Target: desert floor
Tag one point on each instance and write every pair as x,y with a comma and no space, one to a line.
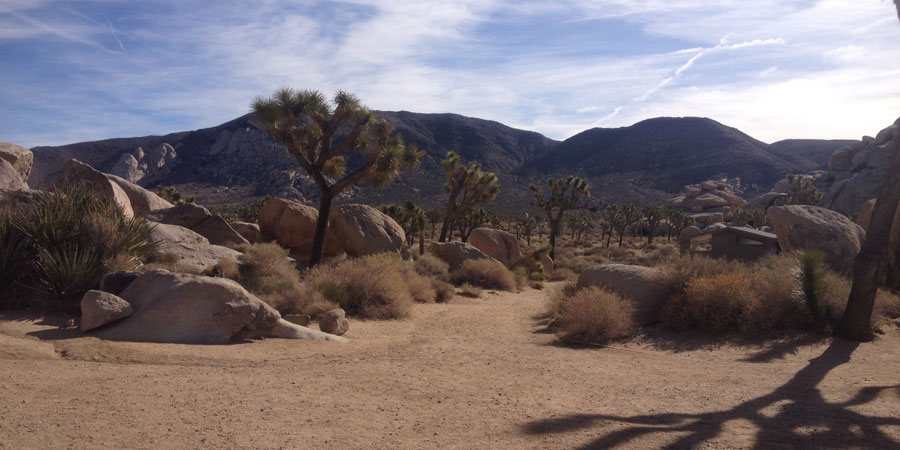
472,374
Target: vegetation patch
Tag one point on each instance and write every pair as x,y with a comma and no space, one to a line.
485,273
591,316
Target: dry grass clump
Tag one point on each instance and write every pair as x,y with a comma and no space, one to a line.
431,266
468,290
371,287
486,274
589,317
266,271
562,274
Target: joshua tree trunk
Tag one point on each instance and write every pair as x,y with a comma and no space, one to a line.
868,267
321,227
445,227
422,241
554,229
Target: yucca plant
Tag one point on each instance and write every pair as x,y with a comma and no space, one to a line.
16,255
63,274
810,276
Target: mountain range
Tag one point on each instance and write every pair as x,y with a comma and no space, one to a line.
229,164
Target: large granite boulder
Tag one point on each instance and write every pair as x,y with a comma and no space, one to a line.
10,178
194,252
198,219
763,201
645,288
498,244
250,231
363,230
143,202
20,158
78,174
292,225
99,308
12,198
455,253
804,227
190,309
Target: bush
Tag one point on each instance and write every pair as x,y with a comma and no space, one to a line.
716,303
371,287
60,246
562,274
431,266
485,273
468,290
592,316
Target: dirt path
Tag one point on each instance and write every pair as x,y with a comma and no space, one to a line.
475,373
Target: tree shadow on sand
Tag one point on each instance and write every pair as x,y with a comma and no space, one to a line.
804,420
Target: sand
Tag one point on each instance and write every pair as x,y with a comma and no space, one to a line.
471,374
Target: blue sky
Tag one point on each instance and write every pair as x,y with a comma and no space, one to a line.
85,70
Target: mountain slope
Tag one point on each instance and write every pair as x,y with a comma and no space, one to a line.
807,154
648,161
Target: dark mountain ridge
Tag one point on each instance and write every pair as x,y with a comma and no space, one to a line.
646,162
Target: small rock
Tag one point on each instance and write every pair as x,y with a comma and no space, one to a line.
99,308
334,322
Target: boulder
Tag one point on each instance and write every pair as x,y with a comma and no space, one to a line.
193,251
364,230
11,198
677,202
645,288
455,253
842,158
804,227
78,174
190,309
710,200
128,168
692,191
689,232
334,322
143,201
99,308
20,158
714,227
706,219
498,244
198,219
10,178
763,201
292,225
547,264
297,319
249,231
734,202
116,282
287,330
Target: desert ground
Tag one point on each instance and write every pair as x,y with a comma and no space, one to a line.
472,373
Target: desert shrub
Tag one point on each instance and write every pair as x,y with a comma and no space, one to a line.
59,246
172,195
431,266
484,273
250,211
562,274
469,290
444,291
371,287
591,316
539,285
716,303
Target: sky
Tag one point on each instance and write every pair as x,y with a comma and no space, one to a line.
74,71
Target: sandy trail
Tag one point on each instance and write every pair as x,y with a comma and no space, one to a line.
474,373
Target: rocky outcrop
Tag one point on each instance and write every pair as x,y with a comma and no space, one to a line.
20,158
645,288
803,227
116,282
249,231
363,230
145,166
334,322
710,197
12,198
77,174
199,220
190,309
455,253
99,308
193,252
856,172
498,244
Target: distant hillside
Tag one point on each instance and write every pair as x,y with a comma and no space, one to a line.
807,154
231,163
665,154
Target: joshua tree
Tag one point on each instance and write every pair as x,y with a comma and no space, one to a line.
434,216
678,220
411,218
627,216
563,194
653,215
308,125
469,221
803,191
871,262
467,187
525,226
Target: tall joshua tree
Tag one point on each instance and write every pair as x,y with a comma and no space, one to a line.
308,126
467,187
871,262
652,215
563,194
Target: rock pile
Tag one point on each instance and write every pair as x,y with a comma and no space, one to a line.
708,202
145,166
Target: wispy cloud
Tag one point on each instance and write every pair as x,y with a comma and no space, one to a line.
105,69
